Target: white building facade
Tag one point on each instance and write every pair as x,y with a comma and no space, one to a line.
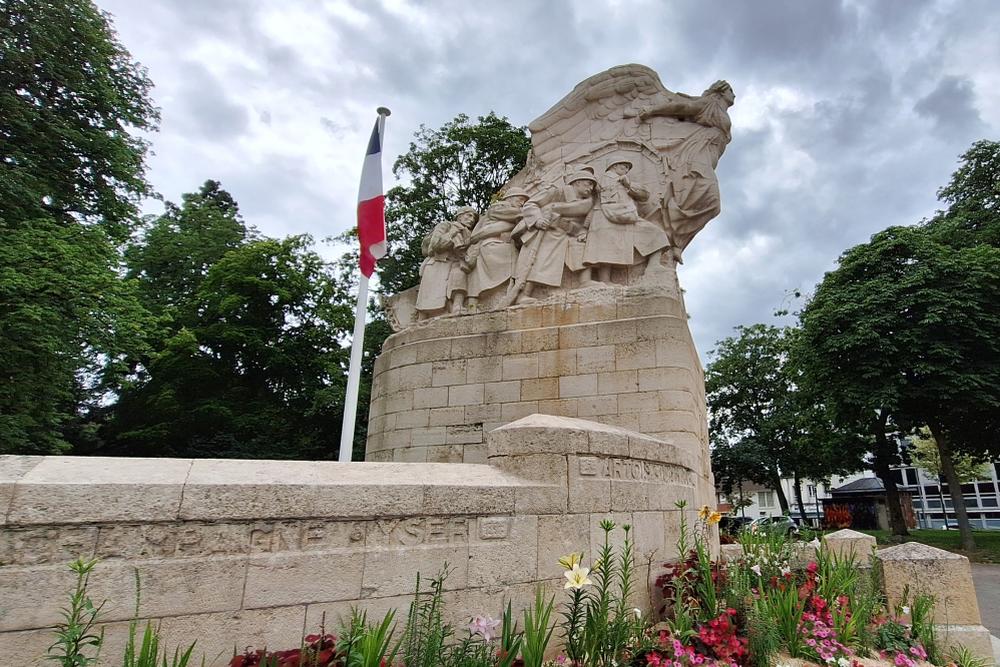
982,498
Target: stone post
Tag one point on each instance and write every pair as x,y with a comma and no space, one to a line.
848,543
926,570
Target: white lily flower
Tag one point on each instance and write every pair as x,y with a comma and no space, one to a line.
577,577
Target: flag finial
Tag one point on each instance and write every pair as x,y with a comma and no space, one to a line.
383,111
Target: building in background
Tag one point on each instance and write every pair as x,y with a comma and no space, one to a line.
862,505
982,498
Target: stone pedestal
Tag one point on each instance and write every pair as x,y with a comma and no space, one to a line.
924,570
849,543
616,355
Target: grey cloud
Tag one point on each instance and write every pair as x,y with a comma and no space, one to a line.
333,127
888,110
208,109
951,106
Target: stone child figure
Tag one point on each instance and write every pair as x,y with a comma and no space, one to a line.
617,231
489,260
692,197
442,278
548,231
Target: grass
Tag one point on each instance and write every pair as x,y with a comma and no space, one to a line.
987,542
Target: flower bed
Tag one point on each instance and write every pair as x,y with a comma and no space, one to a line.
759,610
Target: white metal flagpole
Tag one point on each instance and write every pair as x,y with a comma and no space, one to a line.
354,374
358,341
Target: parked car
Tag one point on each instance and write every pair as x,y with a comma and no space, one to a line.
734,524
781,524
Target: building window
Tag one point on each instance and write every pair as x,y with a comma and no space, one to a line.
765,498
811,490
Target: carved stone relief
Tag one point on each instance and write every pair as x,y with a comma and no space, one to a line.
620,179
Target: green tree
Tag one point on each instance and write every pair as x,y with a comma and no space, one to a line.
174,251
459,164
257,371
906,328
973,198
71,98
925,455
71,172
764,424
67,325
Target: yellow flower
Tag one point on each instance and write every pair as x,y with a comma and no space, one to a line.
714,517
571,561
577,577
704,512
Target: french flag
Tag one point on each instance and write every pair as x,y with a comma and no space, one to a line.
371,202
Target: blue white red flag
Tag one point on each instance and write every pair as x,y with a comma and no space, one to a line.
371,205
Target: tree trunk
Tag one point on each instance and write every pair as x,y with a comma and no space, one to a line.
944,508
798,500
883,455
782,498
954,487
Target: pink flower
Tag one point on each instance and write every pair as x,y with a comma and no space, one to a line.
484,626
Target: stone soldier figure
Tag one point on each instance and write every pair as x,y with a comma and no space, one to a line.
548,232
490,258
617,231
441,275
693,196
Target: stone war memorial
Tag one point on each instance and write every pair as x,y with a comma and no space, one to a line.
541,379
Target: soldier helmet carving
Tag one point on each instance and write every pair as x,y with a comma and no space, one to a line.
468,209
580,176
619,161
516,192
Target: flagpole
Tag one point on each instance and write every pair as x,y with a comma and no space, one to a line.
354,374
357,349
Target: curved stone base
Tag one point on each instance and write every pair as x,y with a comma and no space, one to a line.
616,355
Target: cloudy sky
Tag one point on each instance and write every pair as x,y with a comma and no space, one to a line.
849,115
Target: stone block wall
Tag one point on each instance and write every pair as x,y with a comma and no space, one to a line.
258,553
621,356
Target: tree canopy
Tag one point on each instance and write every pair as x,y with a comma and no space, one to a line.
71,172
245,359
926,456
765,425
71,98
908,325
